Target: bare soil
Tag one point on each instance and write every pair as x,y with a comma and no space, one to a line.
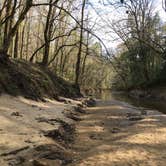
58,133
36,133
117,134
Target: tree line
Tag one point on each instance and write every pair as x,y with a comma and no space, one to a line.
60,35
52,33
140,57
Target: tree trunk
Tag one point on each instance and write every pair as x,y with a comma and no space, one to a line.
9,36
16,45
77,70
47,34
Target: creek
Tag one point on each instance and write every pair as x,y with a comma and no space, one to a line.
107,95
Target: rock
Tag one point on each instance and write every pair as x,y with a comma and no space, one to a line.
130,114
34,106
73,117
79,109
15,151
115,130
95,137
102,123
39,163
56,133
135,118
89,102
61,100
51,121
143,112
28,141
54,153
16,114
17,161
65,133
67,102
46,163
81,105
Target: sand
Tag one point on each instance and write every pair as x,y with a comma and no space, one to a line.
23,124
118,134
112,133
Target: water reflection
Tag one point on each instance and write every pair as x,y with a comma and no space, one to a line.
107,95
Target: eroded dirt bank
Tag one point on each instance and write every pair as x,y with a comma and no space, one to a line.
37,133
117,134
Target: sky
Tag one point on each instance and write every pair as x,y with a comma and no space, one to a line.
161,11
112,14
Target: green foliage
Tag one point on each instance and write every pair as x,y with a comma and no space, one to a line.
141,62
139,69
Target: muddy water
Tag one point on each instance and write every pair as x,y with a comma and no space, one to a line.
107,95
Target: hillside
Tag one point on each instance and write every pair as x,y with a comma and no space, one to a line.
18,77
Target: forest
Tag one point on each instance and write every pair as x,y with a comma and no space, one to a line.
63,36
82,82
53,34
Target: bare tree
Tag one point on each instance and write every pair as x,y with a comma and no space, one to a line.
10,32
77,70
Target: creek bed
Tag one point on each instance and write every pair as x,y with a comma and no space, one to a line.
107,95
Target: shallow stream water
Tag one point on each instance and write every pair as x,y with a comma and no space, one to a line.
107,95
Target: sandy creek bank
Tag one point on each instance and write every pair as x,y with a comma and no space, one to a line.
53,133
117,134
37,133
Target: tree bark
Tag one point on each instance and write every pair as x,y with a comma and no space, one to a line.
16,45
47,34
8,38
77,70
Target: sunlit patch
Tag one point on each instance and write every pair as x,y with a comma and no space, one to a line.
112,107
118,156
141,142
91,129
2,108
32,102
